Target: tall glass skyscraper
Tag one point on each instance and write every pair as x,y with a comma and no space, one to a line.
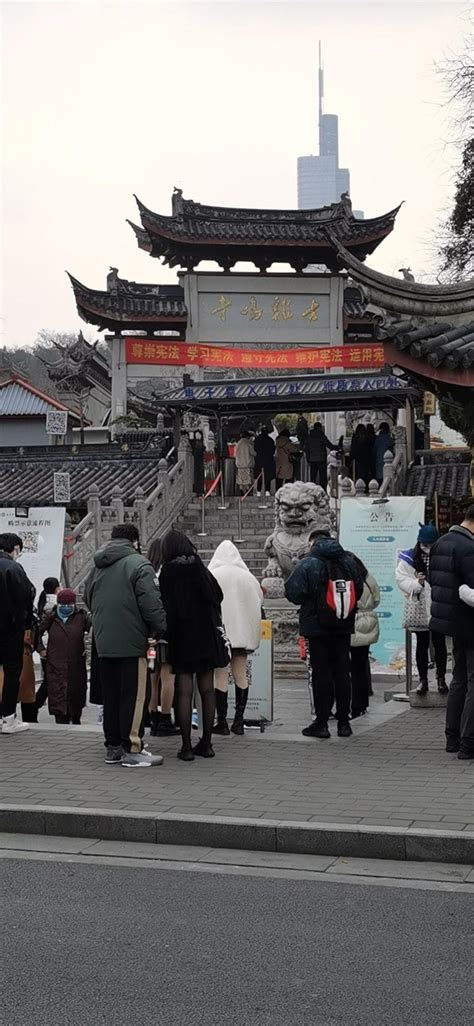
320,179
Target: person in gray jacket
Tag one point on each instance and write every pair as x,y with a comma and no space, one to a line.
123,595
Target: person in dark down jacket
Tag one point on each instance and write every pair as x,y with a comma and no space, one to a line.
452,580
66,627
123,595
16,613
264,460
317,446
329,650
196,637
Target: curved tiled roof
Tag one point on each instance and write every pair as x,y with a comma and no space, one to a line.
406,297
441,344
195,232
132,306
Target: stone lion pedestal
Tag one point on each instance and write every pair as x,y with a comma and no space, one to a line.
300,508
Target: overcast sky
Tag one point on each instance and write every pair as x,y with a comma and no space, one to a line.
102,100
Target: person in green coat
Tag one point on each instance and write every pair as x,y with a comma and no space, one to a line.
123,595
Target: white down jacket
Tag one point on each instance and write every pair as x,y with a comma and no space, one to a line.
366,622
405,576
243,597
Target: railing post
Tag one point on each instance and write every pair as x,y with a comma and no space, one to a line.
388,471
373,488
202,533
360,487
263,504
94,506
164,480
408,662
139,503
222,505
116,502
239,514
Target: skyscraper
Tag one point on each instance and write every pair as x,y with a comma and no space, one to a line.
320,179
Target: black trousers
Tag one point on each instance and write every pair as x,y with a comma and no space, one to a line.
423,649
11,658
319,473
124,687
361,678
331,673
460,710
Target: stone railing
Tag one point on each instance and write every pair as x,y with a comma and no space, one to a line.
153,515
394,473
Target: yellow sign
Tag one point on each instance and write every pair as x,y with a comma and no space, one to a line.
429,404
266,630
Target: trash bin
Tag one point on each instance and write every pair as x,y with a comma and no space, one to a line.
229,475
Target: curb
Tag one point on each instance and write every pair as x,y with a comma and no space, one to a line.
400,844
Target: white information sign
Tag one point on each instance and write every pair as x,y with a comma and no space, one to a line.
376,531
260,676
42,533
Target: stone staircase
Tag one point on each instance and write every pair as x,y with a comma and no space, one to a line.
223,525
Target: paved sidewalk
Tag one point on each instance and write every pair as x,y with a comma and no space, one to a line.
393,774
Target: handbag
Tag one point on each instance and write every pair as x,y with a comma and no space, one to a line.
415,612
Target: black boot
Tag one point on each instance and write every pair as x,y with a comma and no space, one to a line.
165,726
153,723
422,688
221,727
241,695
442,686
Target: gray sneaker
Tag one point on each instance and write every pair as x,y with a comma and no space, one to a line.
143,759
114,754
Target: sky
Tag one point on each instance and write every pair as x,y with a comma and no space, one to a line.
104,100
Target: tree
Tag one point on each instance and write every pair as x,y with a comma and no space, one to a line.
457,253
457,249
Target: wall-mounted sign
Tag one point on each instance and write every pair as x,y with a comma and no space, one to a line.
154,352
56,422
42,534
309,388
268,308
62,486
376,532
429,404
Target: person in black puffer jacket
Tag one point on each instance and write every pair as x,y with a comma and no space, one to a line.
329,649
451,567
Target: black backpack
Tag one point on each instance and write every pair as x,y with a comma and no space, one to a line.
336,600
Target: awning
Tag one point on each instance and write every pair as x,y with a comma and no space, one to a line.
286,394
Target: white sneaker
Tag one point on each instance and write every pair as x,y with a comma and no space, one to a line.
10,725
141,759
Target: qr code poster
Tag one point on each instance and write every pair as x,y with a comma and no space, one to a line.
62,486
56,422
30,540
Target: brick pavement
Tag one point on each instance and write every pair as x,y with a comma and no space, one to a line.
395,773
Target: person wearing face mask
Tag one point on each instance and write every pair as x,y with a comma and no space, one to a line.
16,613
412,577
66,627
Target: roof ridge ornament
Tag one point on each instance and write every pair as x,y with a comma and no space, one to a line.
177,202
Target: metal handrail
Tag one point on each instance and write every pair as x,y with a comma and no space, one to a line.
242,499
202,533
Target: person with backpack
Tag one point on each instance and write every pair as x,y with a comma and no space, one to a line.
326,585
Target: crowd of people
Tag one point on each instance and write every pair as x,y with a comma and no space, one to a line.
265,459
166,628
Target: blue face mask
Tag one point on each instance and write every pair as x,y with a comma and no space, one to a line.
64,612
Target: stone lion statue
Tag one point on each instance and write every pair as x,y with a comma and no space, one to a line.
299,508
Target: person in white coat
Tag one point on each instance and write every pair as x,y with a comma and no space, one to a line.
241,615
366,633
412,577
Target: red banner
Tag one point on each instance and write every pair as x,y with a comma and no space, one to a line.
152,351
